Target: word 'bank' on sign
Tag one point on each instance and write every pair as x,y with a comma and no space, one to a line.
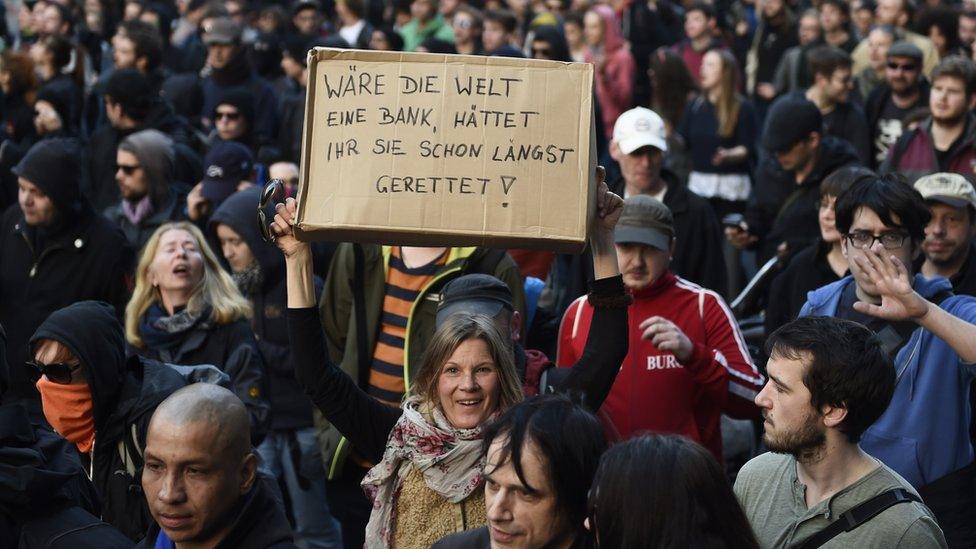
447,150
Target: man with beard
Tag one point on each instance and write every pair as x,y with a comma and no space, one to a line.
902,91
949,235
898,14
150,196
944,142
929,334
829,380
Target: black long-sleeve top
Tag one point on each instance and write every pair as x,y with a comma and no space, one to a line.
367,423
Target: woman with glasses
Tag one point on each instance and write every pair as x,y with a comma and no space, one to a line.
186,309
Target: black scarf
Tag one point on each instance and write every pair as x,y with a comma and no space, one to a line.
236,73
250,280
162,331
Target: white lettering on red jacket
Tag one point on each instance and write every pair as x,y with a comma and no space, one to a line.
654,391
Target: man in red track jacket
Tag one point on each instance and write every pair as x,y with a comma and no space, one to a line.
688,362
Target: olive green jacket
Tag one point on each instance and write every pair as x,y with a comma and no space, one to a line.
338,312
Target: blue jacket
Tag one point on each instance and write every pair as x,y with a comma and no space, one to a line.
924,433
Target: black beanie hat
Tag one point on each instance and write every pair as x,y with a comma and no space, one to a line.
54,166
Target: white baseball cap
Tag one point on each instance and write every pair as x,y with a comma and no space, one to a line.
639,127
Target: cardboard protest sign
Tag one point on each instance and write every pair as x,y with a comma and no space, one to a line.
427,149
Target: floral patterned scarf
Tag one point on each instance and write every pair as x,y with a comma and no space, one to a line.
449,458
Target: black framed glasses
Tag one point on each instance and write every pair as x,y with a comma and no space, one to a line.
58,372
272,191
891,240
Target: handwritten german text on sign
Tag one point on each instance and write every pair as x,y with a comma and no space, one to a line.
429,149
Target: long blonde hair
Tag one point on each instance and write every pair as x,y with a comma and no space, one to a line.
217,289
457,329
729,100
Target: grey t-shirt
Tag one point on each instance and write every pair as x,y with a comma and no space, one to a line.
774,502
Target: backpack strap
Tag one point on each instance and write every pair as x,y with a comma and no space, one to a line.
852,518
131,452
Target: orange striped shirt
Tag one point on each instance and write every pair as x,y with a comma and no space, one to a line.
403,285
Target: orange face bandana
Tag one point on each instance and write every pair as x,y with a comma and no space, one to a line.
68,408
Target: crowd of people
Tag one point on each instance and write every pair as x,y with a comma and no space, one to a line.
177,371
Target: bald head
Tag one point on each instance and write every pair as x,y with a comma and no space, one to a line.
198,463
212,406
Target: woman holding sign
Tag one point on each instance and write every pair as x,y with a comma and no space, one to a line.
428,451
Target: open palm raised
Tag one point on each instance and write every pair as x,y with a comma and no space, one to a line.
893,284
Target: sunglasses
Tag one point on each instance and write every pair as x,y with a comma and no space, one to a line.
273,190
128,169
227,115
904,67
59,372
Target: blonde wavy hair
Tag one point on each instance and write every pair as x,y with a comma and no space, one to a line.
456,330
217,289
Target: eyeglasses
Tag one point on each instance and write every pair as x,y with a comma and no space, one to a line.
59,372
129,169
907,67
891,240
227,115
463,23
273,190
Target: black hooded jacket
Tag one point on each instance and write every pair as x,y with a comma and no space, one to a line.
231,348
125,393
260,523
553,35
291,407
45,498
780,210
81,256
